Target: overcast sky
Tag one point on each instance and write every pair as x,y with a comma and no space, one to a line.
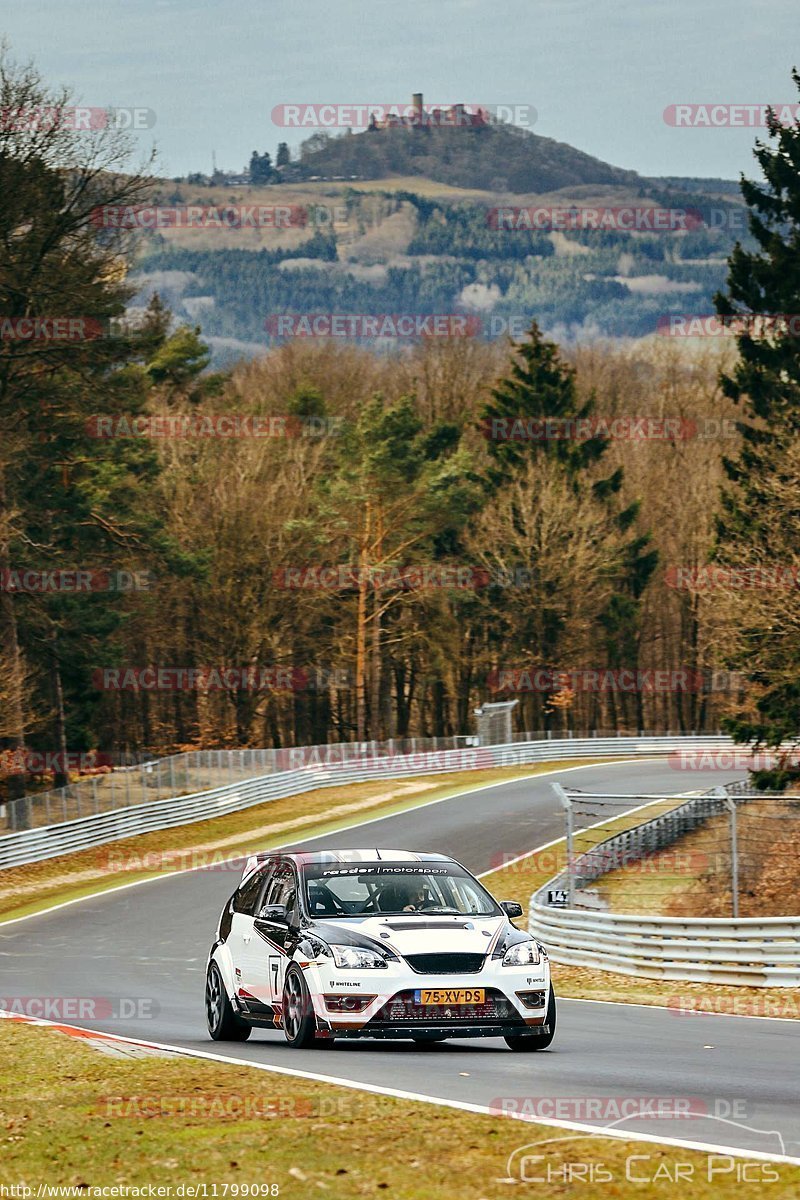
598,72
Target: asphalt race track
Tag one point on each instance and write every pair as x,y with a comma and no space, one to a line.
148,944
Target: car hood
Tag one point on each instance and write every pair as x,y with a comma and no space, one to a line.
418,934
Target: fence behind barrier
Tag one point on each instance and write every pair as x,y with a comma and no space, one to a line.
380,762
754,951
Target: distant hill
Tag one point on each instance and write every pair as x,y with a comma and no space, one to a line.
496,158
707,187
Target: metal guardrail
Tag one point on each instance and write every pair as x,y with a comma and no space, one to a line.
748,951
33,845
154,779
751,951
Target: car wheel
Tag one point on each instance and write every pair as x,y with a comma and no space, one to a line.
299,1022
538,1043
223,1023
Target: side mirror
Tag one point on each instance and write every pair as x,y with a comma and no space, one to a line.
511,908
275,912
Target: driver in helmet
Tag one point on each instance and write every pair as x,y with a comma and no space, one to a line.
407,895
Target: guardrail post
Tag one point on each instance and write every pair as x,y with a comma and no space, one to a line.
731,806
567,806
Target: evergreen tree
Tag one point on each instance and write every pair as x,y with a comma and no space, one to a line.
540,388
64,493
261,168
763,287
536,413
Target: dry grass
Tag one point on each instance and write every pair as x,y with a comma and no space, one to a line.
71,1116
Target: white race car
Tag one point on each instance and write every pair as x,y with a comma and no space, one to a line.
374,943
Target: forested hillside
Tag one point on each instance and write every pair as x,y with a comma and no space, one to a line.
402,252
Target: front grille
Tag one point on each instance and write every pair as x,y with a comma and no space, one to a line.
402,1009
445,964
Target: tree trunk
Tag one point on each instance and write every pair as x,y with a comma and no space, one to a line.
61,776
361,631
14,717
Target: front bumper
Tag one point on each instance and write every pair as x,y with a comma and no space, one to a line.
394,1012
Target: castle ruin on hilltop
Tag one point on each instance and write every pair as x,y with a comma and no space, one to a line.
415,116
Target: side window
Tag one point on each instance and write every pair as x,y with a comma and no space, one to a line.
246,899
283,888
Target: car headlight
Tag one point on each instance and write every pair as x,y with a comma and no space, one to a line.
356,957
523,954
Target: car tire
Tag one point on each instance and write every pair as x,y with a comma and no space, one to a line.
529,1043
299,1022
223,1023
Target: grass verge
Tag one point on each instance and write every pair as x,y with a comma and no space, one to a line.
71,1116
28,889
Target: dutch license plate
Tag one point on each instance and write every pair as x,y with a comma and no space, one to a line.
450,996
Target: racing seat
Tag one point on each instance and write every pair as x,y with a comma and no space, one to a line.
321,901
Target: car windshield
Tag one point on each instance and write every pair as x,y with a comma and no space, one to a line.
370,889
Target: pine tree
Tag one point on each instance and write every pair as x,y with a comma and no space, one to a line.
761,303
64,493
542,388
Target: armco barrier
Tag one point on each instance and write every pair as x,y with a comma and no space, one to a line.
33,845
749,951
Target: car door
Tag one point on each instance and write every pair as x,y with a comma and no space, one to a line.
282,890
244,944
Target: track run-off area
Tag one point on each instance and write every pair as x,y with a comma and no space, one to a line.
139,951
